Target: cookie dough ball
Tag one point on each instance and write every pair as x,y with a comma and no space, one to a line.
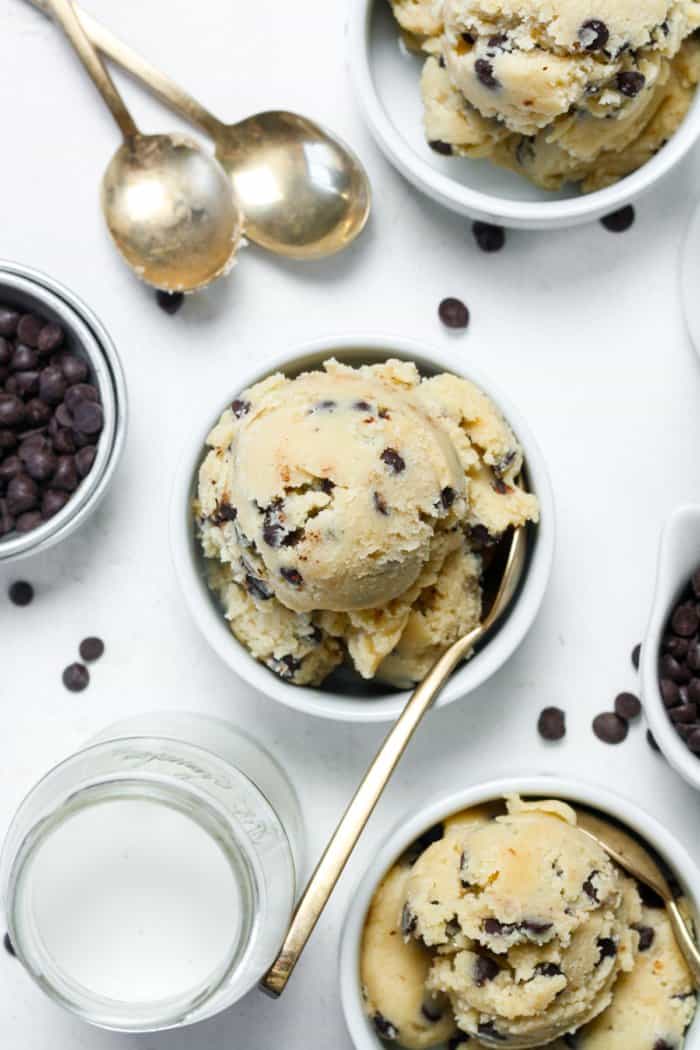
394,972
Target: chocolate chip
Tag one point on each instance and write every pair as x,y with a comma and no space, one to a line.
421,844
380,504
292,576
91,649
651,741
65,476
636,654
28,329
489,1029
84,459
325,406
630,83
485,969
457,1041
646,937
170,302
384,1027
452,928
8,440
447,497
670,692
88,417
75,369
672,668
693,741
432,1009
685,713
7,522
52,501
497,41
537,929
27,522
607,949
78,392
11,410
257,588
27,384
551,724
484,73
593,35
63,440
693,657
9,467
50,338
619,221
362,406
24,358
590,888
443,148
649,898
409,921
8,945
326,485
36,412
9,319
21,593
52,385
610,728
22,494
490,238
468,38
453,313
76,677
6,351
40,462
570,1041
393,460
627,706
548,969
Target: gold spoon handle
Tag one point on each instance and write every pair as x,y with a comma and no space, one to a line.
160,84
68,20
684,940
353,821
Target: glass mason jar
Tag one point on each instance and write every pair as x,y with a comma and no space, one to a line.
148,880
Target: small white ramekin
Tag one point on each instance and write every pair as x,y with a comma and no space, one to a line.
381,706
35,292
679,557
469,191
413,825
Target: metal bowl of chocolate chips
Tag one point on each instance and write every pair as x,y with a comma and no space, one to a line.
62,411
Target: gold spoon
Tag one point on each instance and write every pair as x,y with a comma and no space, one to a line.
345,836
167,203
303,193
628,854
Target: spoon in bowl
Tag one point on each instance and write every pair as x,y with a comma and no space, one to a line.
168,204
352,824
303,193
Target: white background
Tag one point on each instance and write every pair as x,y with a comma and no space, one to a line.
583,328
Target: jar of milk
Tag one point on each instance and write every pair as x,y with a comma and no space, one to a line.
149,879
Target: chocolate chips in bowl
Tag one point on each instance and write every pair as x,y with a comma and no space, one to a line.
62,411
679,665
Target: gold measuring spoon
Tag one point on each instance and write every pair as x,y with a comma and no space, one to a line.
167,203
630,855
351,826
303,193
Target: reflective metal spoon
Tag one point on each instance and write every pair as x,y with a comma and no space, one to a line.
167,203
303,193
352,824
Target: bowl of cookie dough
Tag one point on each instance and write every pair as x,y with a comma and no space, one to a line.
528,116
338,520
489,919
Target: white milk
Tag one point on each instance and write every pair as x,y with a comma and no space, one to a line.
134,901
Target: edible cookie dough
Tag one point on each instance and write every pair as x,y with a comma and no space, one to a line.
561,92
530,933
349,511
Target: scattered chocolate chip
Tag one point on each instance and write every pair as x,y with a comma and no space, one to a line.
21,593
607,949
170,302
385,1028
590,888
484,74
548,969
636,654
76,677
447,497
490,238
7,943
651,741
393,460
91,649
453,313
380,504
421,844
610,728
485,969
257,588
593,35
551,724
619,221
646,937
630,83
627,706
292,576
443,148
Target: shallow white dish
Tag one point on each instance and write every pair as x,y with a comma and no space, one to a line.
358,706
679,557
386,80
413,825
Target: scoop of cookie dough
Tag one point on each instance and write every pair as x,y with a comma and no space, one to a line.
532,922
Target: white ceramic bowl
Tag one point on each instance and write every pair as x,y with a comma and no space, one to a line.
359,705
408,830
679,557
386,82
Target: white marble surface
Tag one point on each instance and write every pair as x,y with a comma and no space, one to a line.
583,327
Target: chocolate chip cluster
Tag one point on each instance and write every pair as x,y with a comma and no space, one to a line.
679,665
50,421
